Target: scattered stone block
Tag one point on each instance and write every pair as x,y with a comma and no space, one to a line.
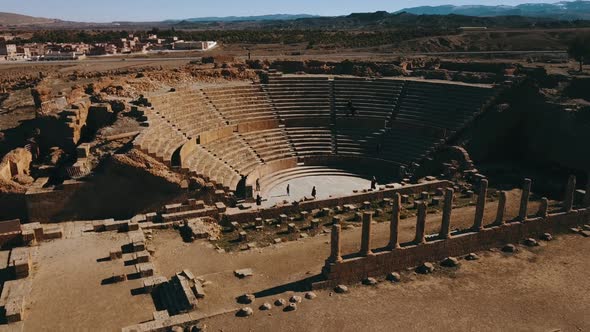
258,222
295,299
116,253
472,257
370,281
277,240
14,309
265,306
20,262
385,202
366,205
116,278
425,268
303,236
350,208
243,236
436,201
245,312
547,237
251,245
152,282
341,289
197,288
450,262
336,220
358,216
326,212
144,269
469,194
530,242
315,224
292,228
246,298
405,199
304,215
425,195
394,277
132,226
291,307
142,257
283,218
235,226
221,208
138,246
379,212
509,248
280,302
243,273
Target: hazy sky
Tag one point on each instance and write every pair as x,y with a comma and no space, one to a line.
153,10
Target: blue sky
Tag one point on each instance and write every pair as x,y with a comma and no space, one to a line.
154,10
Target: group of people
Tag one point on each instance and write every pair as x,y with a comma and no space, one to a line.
259,198
314,192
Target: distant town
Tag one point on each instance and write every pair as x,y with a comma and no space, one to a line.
10,51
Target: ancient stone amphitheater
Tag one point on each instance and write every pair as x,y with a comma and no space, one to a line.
294,126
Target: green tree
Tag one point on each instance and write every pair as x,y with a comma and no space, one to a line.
579,49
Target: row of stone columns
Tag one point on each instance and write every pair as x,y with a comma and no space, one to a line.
444,233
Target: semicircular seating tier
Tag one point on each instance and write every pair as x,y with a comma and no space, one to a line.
227,133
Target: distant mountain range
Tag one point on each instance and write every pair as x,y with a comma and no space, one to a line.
447,16
22,20
565,10
274,17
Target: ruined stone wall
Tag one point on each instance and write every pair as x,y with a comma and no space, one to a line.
117,190
249,216
369,261
355,268
17,162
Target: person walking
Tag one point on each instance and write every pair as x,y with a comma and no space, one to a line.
288,190
258,200
374,183
257,184
314,192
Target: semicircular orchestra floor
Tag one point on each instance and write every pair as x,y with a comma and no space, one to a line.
329,182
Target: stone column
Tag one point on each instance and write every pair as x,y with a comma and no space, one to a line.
447,210
366,236
421,224
335,255
524,200
394,226
543,208
568,200
501,209
481,205
587,195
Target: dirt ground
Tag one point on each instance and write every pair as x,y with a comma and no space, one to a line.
495,293
545,289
